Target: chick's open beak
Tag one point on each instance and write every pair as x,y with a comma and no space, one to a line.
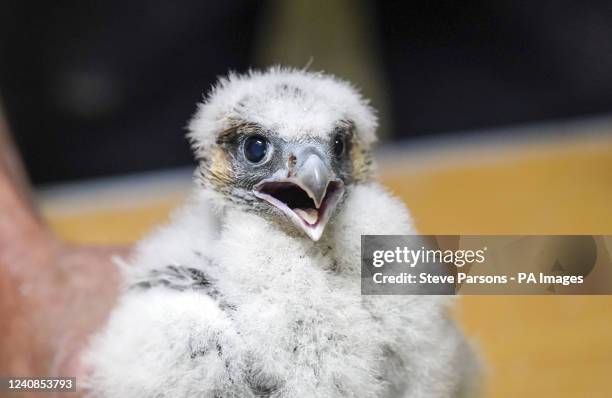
307,196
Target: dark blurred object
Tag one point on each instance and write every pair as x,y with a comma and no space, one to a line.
470,64
97,88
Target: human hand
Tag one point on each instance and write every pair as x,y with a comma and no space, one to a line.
53,297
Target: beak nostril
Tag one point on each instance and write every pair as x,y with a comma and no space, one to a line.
291,162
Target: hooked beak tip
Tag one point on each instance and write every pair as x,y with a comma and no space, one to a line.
294,200
308,196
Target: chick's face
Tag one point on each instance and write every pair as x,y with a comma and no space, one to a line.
300,180
286,153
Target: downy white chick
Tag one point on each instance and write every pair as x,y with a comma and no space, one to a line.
253,289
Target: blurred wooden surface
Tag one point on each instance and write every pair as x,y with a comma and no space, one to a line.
546,346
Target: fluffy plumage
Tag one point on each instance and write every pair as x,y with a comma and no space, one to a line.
290,102
230,300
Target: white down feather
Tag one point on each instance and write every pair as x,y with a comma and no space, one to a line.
286,318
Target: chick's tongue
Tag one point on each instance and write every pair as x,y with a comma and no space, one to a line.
308,215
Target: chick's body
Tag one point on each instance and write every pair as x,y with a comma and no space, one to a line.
224,302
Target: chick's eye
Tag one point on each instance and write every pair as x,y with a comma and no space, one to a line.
339,145
255,148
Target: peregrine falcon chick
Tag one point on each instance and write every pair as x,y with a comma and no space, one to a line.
253,288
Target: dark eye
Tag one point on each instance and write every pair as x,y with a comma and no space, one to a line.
255,148
339,145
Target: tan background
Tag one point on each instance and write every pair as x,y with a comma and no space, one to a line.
556,184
